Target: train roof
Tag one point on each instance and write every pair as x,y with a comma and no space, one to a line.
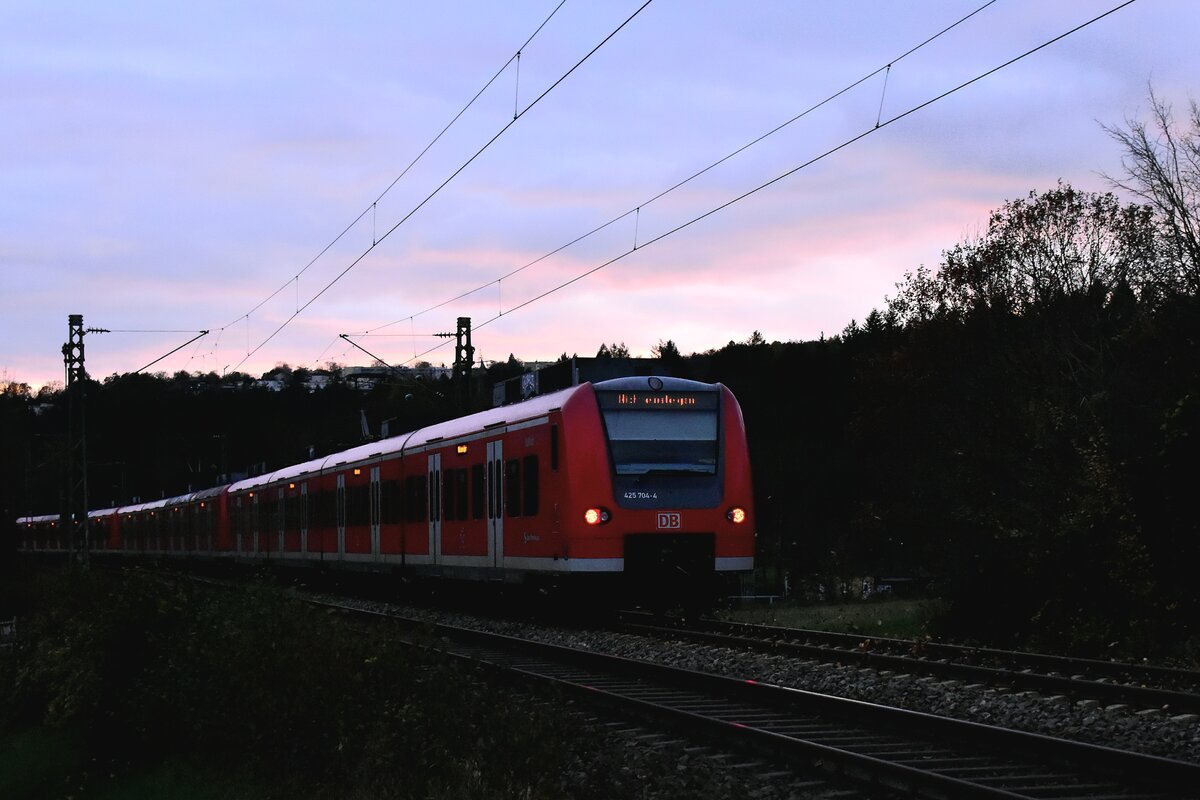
463,426
309,467
492,418
451,429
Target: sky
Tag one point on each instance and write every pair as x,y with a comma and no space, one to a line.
170,168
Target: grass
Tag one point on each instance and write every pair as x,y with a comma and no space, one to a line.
178,780
50,761
35,763
903,619
126,687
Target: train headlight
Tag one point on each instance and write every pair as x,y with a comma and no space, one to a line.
596,516
736,515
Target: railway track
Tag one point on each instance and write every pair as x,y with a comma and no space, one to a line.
1176,691
909,752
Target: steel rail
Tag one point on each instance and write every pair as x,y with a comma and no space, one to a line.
860,651
914,752
1025,659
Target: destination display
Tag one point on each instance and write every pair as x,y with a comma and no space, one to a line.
658,401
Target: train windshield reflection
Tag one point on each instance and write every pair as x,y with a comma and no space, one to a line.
645,442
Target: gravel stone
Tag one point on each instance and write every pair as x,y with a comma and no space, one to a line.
1115,725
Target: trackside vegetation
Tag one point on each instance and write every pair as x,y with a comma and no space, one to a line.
123,685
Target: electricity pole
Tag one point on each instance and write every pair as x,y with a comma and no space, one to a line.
75,517
464,360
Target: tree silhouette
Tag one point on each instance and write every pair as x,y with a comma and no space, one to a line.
1035,250
613,350
666,351
1162,166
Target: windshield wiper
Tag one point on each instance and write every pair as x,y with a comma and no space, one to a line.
666,469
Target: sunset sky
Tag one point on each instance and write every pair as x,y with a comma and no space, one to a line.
168,167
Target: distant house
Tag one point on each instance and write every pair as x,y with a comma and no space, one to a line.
365,378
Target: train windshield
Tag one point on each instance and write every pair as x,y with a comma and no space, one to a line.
661,432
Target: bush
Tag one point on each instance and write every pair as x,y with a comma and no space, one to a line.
270,689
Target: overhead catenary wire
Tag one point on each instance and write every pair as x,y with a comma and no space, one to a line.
176,350
636,211
445,182
879,126
199,335
405,171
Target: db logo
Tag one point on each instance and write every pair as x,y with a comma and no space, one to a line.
670,520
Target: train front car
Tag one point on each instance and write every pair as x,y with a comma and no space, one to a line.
660,487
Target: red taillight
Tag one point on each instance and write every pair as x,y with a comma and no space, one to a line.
596,516
736,515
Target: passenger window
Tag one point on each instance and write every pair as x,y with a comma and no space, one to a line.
414,504
389,502
512,487
460,493
449,496
358,505
478,491
530,499
328,510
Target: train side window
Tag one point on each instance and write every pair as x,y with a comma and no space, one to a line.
478,491
554,447
390,511
449,496
529,501
460,493
358,505
291,511
415,499
512,487
251,509
316,508
326,509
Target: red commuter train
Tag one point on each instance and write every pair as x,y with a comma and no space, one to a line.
645,480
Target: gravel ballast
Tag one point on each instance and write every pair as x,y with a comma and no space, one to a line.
1150,731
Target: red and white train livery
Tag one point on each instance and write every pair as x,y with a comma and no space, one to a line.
647,478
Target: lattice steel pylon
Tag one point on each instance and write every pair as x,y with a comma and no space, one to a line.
75,517
464,361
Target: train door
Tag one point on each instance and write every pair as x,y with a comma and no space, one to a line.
341,515
254,522
303,515
280,526
375,508
495,501
435,506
